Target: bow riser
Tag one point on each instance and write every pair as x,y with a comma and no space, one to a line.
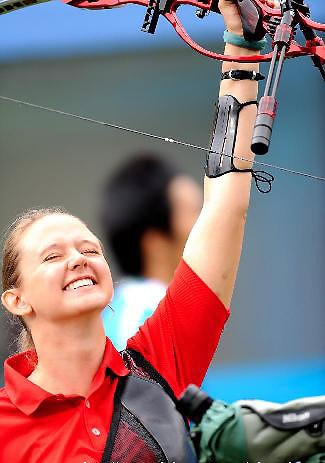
270,19
313,48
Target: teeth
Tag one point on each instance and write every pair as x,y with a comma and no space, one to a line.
78,283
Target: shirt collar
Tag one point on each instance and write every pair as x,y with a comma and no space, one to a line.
27,396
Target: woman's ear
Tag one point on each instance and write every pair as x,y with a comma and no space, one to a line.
13,302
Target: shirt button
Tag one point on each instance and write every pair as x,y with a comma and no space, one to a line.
96,431
87,403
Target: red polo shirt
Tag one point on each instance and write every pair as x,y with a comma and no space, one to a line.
179,340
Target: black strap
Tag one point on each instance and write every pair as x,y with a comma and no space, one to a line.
240,74
153,373
260,176
248,103
115,420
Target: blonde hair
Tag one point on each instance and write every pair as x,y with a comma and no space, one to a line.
11,277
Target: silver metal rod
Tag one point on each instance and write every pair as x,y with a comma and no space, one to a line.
271,71
278,71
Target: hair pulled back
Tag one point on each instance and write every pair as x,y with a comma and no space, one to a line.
11,277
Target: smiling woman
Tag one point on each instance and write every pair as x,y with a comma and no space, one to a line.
32,270
56,282
69,395
11,276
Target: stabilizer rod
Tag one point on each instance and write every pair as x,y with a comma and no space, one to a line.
268,104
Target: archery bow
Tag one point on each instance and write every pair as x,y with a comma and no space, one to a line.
258,19
268,20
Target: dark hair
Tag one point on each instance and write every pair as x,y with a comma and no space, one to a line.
135,200
11,277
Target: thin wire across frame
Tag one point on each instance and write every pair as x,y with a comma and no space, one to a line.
157,137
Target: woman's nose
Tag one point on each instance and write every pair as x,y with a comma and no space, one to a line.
77,260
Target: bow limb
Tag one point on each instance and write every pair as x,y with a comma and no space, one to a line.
100,4
309,22
7,6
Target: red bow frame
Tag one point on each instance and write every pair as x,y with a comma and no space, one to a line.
314,47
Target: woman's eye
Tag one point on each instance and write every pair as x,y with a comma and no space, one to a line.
90,251
51,257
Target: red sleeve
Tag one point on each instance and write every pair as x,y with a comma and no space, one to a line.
181,336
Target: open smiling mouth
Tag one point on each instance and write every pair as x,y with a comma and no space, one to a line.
82,283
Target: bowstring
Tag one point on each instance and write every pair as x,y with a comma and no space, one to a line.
157,137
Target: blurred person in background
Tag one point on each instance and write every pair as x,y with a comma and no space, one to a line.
148,210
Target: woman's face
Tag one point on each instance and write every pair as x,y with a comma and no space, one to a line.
63,271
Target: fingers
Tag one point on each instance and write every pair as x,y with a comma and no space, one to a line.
274,4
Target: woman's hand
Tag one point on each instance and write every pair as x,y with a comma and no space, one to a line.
230,13
229,10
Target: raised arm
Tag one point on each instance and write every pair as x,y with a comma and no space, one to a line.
214,246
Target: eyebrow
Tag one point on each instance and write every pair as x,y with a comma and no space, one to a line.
57,245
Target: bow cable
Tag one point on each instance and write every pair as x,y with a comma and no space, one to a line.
157,137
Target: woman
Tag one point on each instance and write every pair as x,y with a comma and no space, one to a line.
60,398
